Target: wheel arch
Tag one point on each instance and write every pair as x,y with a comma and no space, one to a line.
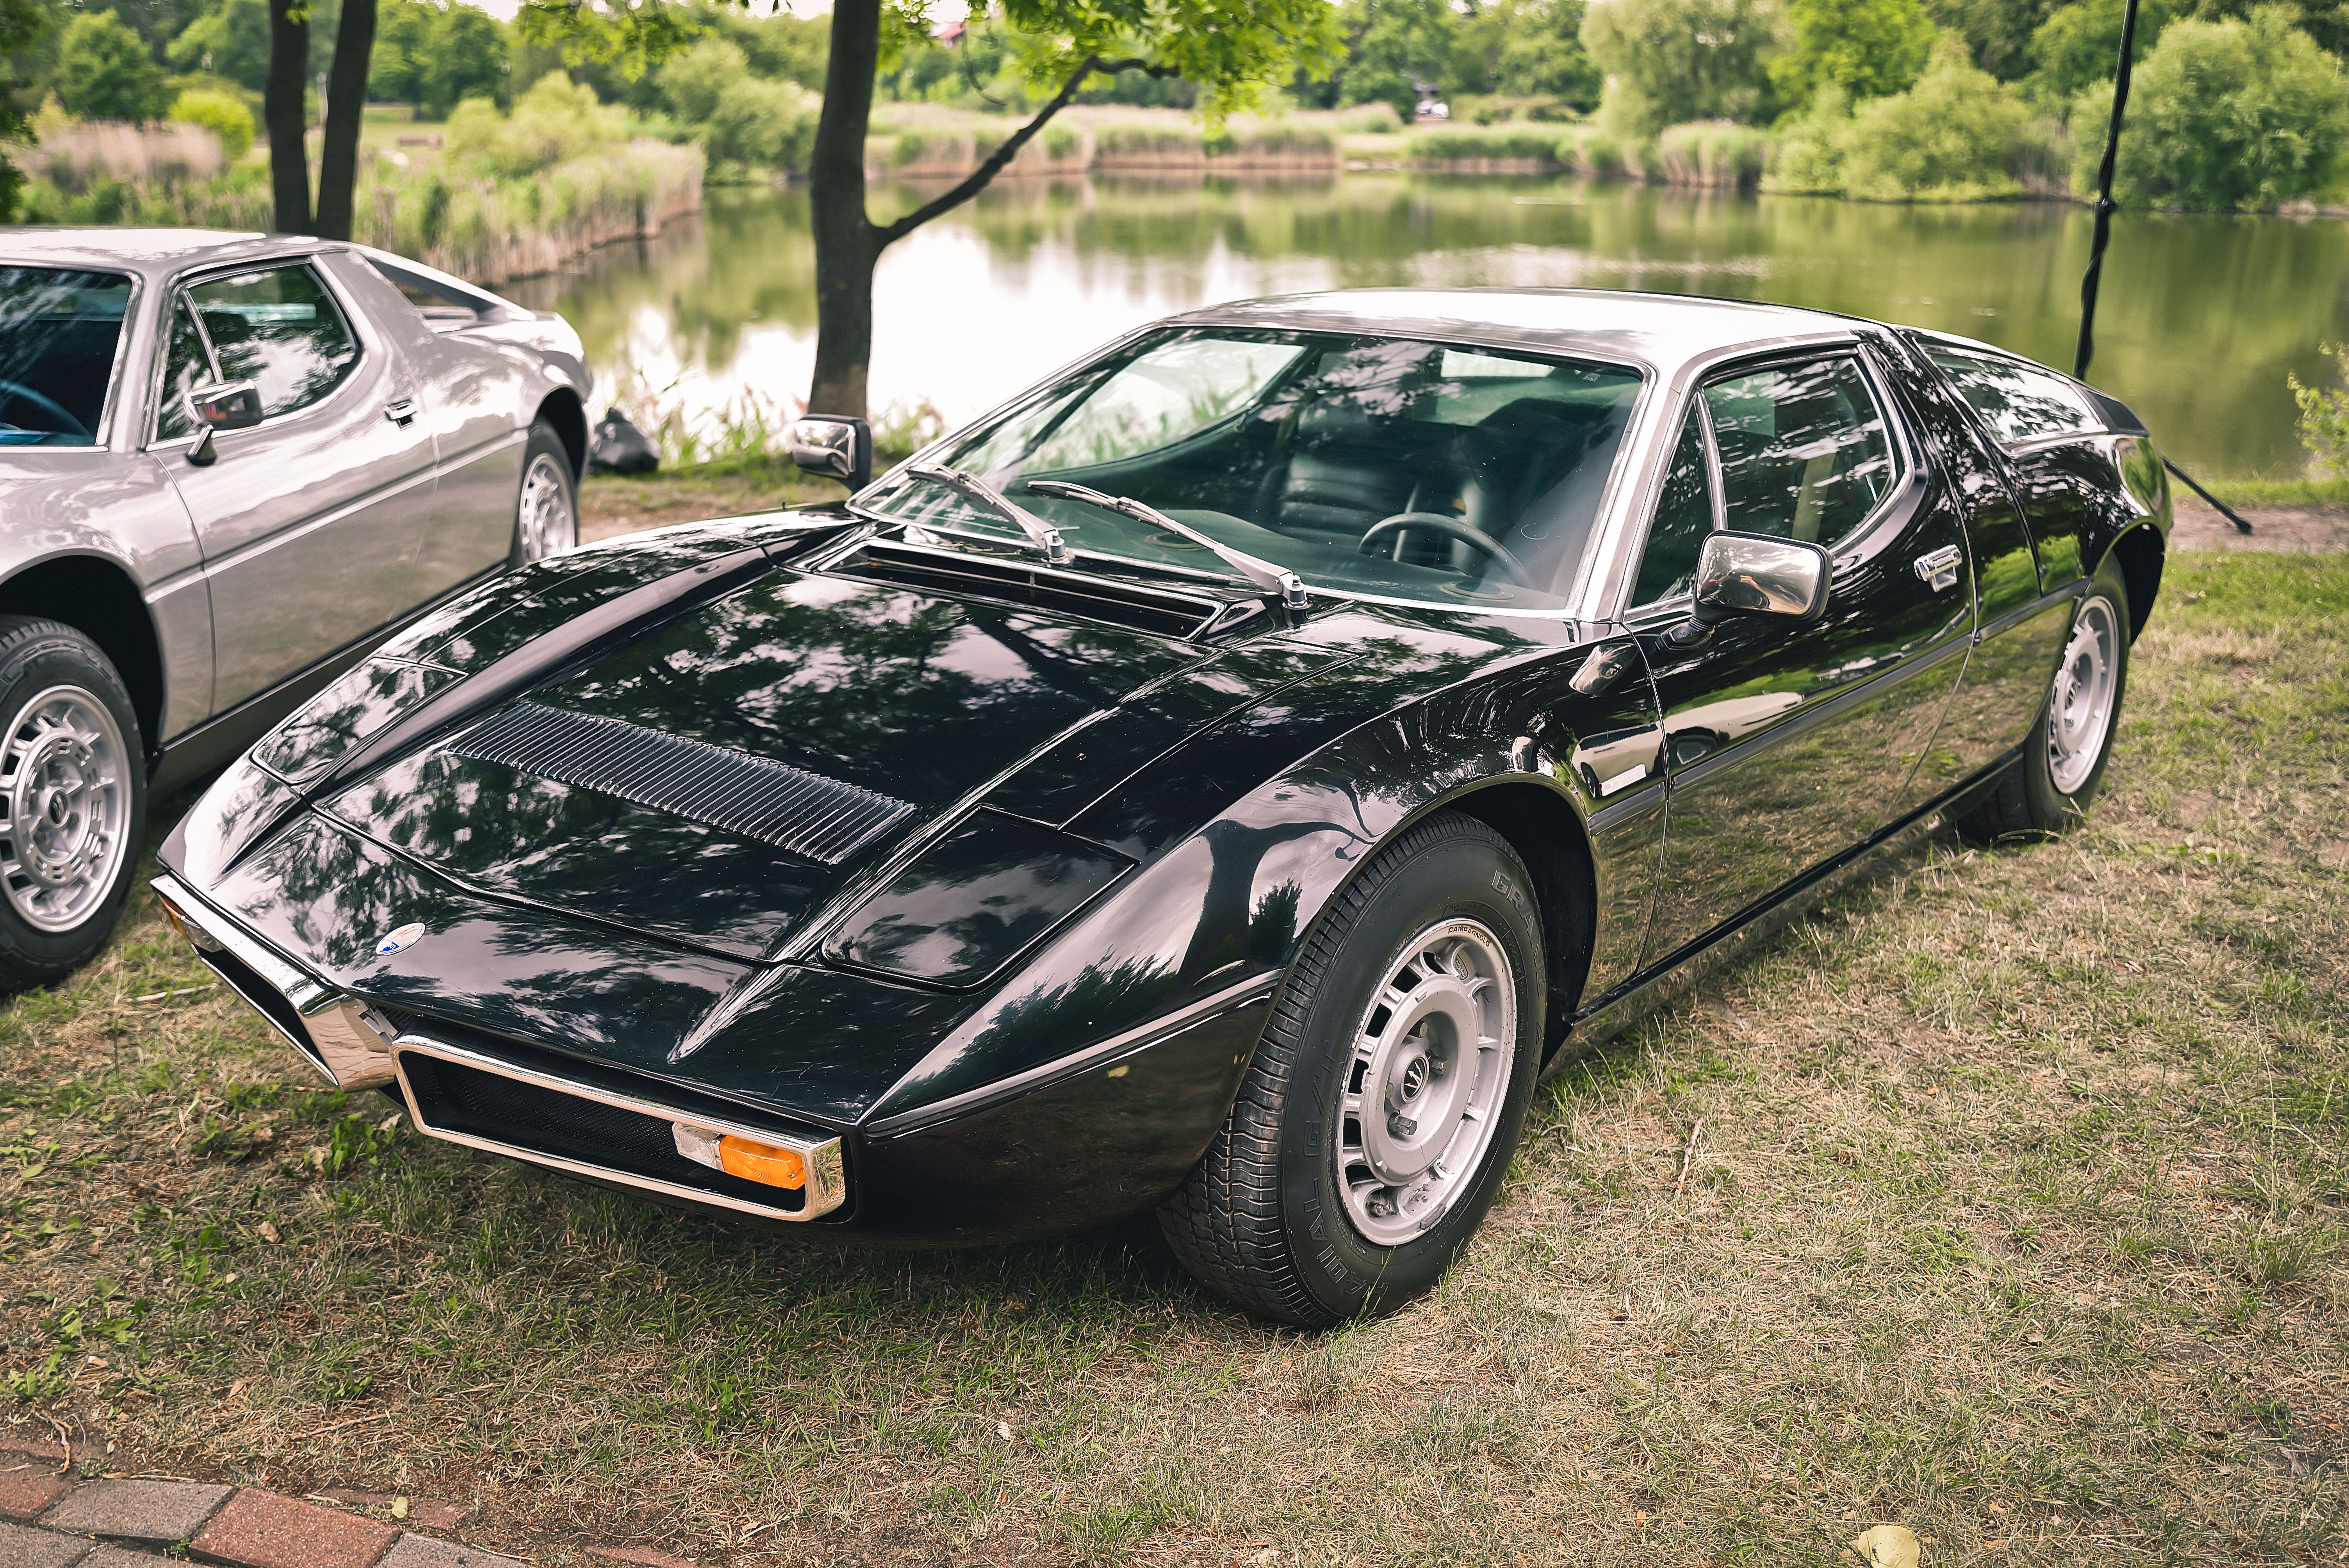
1550,836
562,409
101,599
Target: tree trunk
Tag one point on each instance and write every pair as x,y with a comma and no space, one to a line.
282,114
338,165
845,244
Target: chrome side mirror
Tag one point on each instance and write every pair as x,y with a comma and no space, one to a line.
1754,574
832,446
224,405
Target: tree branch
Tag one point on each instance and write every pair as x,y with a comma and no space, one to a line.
998,160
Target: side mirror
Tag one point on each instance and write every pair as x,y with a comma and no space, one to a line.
1754,574
832,446
224,405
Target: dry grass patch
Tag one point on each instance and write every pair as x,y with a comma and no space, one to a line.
2003,1198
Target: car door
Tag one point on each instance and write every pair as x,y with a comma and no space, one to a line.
1786,744
310,521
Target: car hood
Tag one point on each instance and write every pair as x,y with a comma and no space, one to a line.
720,779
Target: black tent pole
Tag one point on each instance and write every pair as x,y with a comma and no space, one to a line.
2105,208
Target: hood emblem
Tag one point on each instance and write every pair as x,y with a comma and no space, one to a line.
406,936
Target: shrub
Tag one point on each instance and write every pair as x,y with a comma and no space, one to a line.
1959,135
553,122
2223,115
693,80
768,124
104,71
2323,424
1370,120
222,114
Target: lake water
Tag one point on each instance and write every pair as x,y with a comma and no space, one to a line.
2201,316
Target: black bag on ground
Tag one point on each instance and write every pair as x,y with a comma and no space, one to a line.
619,448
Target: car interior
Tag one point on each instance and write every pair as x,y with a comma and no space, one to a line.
59,331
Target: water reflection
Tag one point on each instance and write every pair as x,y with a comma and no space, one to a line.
2202,315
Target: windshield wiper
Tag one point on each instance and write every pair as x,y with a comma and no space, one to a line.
1272,579
1041,534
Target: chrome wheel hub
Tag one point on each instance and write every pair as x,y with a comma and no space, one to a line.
544,523
2080,708
64,784
1430,1068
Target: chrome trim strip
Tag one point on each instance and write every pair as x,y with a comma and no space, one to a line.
207,927
827,1186
1141,1037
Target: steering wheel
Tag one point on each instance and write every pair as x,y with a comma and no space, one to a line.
1450,528
47,405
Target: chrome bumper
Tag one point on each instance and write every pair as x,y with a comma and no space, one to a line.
338,1035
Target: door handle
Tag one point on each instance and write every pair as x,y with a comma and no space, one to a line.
1938,570
400,413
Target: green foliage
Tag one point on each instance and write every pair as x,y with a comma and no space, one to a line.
104,71
1394,44
1997,31
1232,51
232,40
222,114
436,58
692,81
22,24
2324,423
1672,61
1959,135
553,122
2224,115
769,125
2079,44
1713,153
1870,49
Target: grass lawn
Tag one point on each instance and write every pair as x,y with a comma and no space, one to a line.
2003,1198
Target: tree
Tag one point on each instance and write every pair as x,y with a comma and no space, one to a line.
104,71
1671,61
22,23
2078,46
1997,31
2229,115
1870,49
1395,44
1533,49
283,111
1231,49
338,160
231,40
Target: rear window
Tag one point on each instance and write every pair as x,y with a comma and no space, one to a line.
2018,402
60,332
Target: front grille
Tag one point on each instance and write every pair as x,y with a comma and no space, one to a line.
1168,614
530,1119
822,820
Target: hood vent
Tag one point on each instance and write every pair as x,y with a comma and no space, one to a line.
819,819
968,574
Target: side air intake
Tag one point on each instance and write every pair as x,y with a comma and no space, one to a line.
822,820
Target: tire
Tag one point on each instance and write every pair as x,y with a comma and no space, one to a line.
2050,789
1287,1215
73,800
546,506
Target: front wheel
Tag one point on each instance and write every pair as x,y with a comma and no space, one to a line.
2050,789
72,789
1379,1114
546,512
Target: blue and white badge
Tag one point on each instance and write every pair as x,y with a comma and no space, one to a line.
407,936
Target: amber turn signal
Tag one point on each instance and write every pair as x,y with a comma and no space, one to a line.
756,1161
171,914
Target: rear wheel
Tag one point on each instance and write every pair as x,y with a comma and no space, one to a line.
546,512
2052,786
73,800
1383,1107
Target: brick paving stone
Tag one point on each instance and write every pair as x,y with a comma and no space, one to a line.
414,1551
28,1488
422,1511
23,1548
262,1530
645,1555
160,1511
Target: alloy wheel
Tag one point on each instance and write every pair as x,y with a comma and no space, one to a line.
2080,708
545,525
65,786
1432,1059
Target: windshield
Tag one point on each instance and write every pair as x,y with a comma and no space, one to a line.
1387,467
58,331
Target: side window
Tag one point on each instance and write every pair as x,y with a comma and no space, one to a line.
1803,450
280,328
1683,517
2015,401
187,365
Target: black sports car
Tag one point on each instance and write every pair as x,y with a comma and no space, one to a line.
1219,782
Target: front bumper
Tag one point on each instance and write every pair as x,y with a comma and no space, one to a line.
566,1121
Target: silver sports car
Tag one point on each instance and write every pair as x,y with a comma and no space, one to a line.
227,463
